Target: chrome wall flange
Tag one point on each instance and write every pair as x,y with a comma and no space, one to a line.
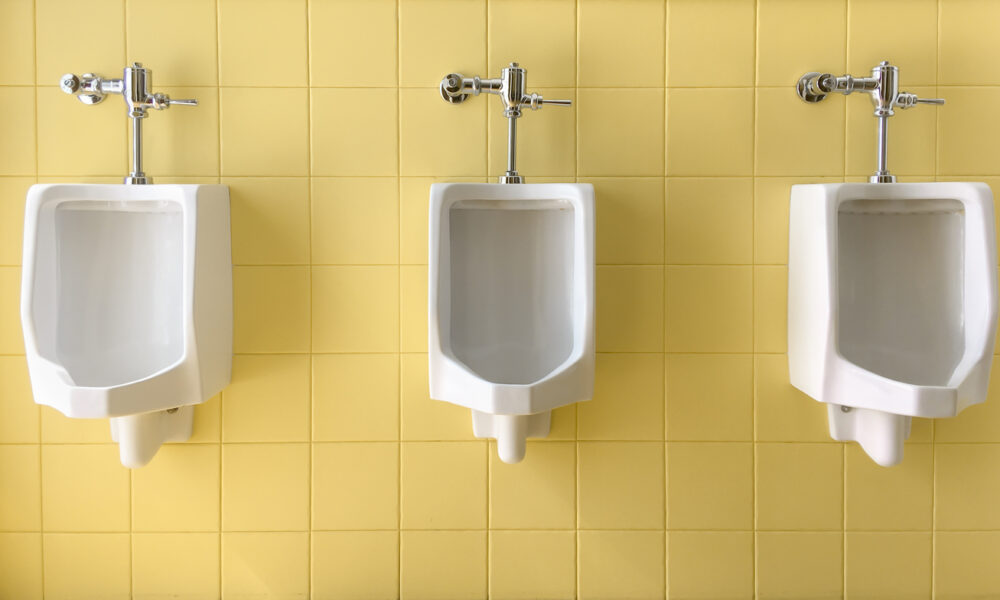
134,86
510,86
882,86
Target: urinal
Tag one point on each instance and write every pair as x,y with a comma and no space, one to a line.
892,304
511,301
126,305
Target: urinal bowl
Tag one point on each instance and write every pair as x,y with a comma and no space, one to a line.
892,304
511,304
126,305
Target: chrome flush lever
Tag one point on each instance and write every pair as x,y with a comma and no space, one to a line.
510,86
882,86
134,86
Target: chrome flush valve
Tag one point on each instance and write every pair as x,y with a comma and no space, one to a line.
882,86
134,86
510,86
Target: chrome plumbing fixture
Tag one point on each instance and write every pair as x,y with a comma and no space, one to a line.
883,86
134,87
455,88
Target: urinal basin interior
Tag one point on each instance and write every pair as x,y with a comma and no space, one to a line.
511,293
116,314
900,273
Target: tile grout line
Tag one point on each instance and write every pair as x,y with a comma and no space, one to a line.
218,95
399,276
311,570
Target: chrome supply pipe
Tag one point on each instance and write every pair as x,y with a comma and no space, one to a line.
510,86
883,88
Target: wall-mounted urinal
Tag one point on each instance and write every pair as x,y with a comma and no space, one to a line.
511,290
126,295
892,291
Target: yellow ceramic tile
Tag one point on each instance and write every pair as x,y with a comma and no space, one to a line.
710,44
207,421
709,397
58,47
770,309
783,117
355,220
426,55
893,499
630,211
696,558
532,564
342,117
355,309
911,138
87,565
187,564
84,488
619,142
537,493
17,32
800,486
552,134
977,423
19,415
423,418
911,43
355,485
541,36
184,142
443,565
267,400
698,119
709,309
271,309
11,341
176,40
12,194
18,155
413,308
352,42
355,564
771,196
784,414
60,429
425,150
271,565
800,565
21,565
264,131
245,60
443,485
20,496
563,423
782,57
965,565
178,490
104,126
621,44
270,220
628,399
355,397
629,309
965,42
620,564
710,485
265,487
612,497
967,139
964,497
709,221
888,565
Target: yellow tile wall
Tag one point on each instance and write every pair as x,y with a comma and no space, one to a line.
325,470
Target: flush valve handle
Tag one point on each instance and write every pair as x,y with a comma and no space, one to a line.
908,100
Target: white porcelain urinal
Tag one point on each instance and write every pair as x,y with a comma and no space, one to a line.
126,305
511,303
892,304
